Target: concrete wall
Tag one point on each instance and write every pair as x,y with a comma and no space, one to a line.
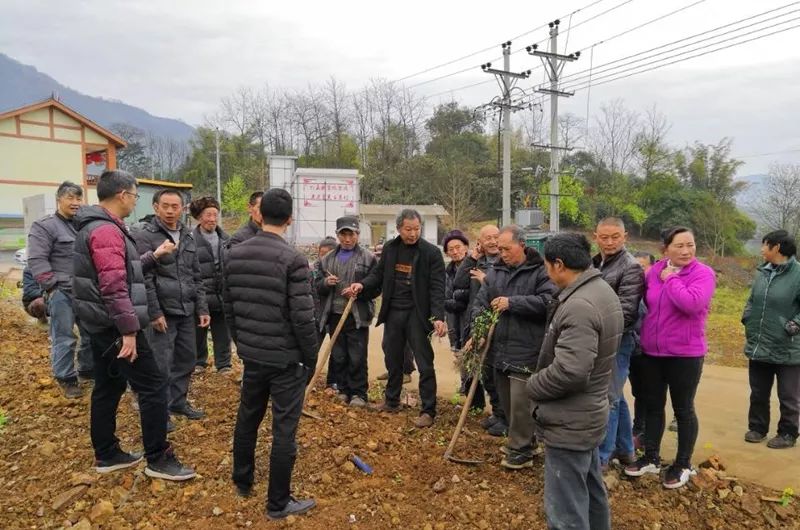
430,226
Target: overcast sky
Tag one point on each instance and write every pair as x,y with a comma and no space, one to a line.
178,58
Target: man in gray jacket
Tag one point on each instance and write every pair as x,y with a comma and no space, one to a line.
346,264
175,298
624,274
570,387
50,248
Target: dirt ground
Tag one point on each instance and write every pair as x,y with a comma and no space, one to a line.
47,480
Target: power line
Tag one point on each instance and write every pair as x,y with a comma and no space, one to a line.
494,46
581,74
693,56
635,67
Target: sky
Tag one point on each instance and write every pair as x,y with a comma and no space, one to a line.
178,58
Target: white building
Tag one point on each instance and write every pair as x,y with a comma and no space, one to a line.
381,219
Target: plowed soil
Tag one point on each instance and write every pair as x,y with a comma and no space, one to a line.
45,452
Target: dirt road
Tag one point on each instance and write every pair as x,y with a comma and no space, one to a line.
722,401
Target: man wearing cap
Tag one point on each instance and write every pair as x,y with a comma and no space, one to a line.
348,263
455,244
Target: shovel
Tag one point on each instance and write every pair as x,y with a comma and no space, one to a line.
323,356
448,454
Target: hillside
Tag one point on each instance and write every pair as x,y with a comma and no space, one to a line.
23,84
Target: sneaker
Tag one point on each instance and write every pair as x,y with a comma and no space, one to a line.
224,370
498,429
121,460
168,467
677,477
754,437
384,376
782,441
424,420
385,407
406,378
489,421
673,425
170,425
358,402
642,467
517,460
199,369
294,507
71,389
188,411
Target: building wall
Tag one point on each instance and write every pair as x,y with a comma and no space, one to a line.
42,164
430,226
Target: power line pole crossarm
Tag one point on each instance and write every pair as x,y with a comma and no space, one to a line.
554,63
507,80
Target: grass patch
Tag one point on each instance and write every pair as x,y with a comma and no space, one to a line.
724,331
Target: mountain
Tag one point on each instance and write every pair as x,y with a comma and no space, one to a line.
751,193
23,85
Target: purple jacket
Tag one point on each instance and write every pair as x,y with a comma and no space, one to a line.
677,309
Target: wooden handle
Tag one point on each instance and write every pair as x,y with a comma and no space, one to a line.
325,352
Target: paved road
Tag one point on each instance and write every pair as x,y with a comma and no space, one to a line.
722,401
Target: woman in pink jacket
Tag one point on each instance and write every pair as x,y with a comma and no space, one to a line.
678,291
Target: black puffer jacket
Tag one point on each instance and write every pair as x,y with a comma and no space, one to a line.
465,288
245,232
427,281
268,304
456,308
209,271
175,286
520,330
624,274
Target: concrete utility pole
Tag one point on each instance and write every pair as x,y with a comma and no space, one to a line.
219,183
553,64
506,79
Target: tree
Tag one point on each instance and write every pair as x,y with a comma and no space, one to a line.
132,158
777,204
653,155
235,195
613,138
710,168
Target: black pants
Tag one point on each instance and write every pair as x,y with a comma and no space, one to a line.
681,375
286,388
762,375
349,356
408,360
637,389
487,384
220,337
111,377
404,325
176,354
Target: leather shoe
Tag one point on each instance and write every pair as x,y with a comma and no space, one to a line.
189,411
424,420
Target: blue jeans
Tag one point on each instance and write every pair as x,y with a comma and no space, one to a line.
619,432
63,339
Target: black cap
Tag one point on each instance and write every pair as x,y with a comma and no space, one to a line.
348,222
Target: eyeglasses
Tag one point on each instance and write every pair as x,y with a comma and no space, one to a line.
131,193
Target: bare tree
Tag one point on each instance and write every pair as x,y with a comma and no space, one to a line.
776,205
455,191
614,134
571,129
336,99
652,152
237,109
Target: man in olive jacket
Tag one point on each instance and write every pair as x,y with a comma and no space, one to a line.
270,313
772,323
570,387
410,274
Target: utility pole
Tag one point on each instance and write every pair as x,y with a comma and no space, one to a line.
219,184
506,79
553,63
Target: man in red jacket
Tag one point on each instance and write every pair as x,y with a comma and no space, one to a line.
111,299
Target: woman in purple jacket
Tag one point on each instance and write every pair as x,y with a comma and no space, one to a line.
678,291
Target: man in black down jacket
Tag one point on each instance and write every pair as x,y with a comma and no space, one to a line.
175,298
570,387
466,284
253,225
518,287
410,274
211,242
270,313
624,274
